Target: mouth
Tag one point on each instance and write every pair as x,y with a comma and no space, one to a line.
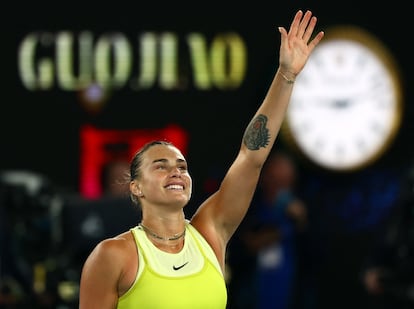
175,187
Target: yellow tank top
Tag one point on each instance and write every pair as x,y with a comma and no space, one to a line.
191,278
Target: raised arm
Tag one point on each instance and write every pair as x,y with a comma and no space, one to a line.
221,214
296,46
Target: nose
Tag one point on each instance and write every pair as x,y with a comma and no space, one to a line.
175,172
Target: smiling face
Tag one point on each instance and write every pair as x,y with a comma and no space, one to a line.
165,179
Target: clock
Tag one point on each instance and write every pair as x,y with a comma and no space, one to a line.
346,105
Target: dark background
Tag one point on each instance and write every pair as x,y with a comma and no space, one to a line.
40,130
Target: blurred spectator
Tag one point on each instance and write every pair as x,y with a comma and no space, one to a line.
388,274
270,240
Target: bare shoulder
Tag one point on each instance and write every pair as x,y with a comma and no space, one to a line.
113,253
108,271
117,245
203,221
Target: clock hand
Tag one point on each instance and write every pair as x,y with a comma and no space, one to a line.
334,103
342,103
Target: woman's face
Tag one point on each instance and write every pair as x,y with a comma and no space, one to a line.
165,177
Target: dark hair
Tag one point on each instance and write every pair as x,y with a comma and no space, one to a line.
136,162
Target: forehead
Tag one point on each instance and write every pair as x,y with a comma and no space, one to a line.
159,152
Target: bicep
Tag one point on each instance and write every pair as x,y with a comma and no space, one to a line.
100,274
226,208
236,192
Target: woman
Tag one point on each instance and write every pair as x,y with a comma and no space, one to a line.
168,261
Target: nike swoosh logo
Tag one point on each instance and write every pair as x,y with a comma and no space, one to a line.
179,267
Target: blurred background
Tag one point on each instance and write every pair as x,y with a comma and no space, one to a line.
86,84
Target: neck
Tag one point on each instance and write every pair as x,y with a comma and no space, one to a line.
163,238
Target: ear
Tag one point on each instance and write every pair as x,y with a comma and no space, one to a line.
134,187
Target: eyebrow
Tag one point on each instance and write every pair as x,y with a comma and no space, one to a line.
165,160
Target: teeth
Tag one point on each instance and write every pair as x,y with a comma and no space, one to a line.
175,187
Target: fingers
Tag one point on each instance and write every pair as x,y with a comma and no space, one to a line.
294,26
303,25
309,29
283,33
312,44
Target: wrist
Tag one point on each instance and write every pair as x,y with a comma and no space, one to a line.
288,76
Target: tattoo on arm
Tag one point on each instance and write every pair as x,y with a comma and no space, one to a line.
256,134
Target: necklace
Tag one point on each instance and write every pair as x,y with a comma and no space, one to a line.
153,234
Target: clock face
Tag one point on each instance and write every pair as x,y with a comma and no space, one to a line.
346,104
